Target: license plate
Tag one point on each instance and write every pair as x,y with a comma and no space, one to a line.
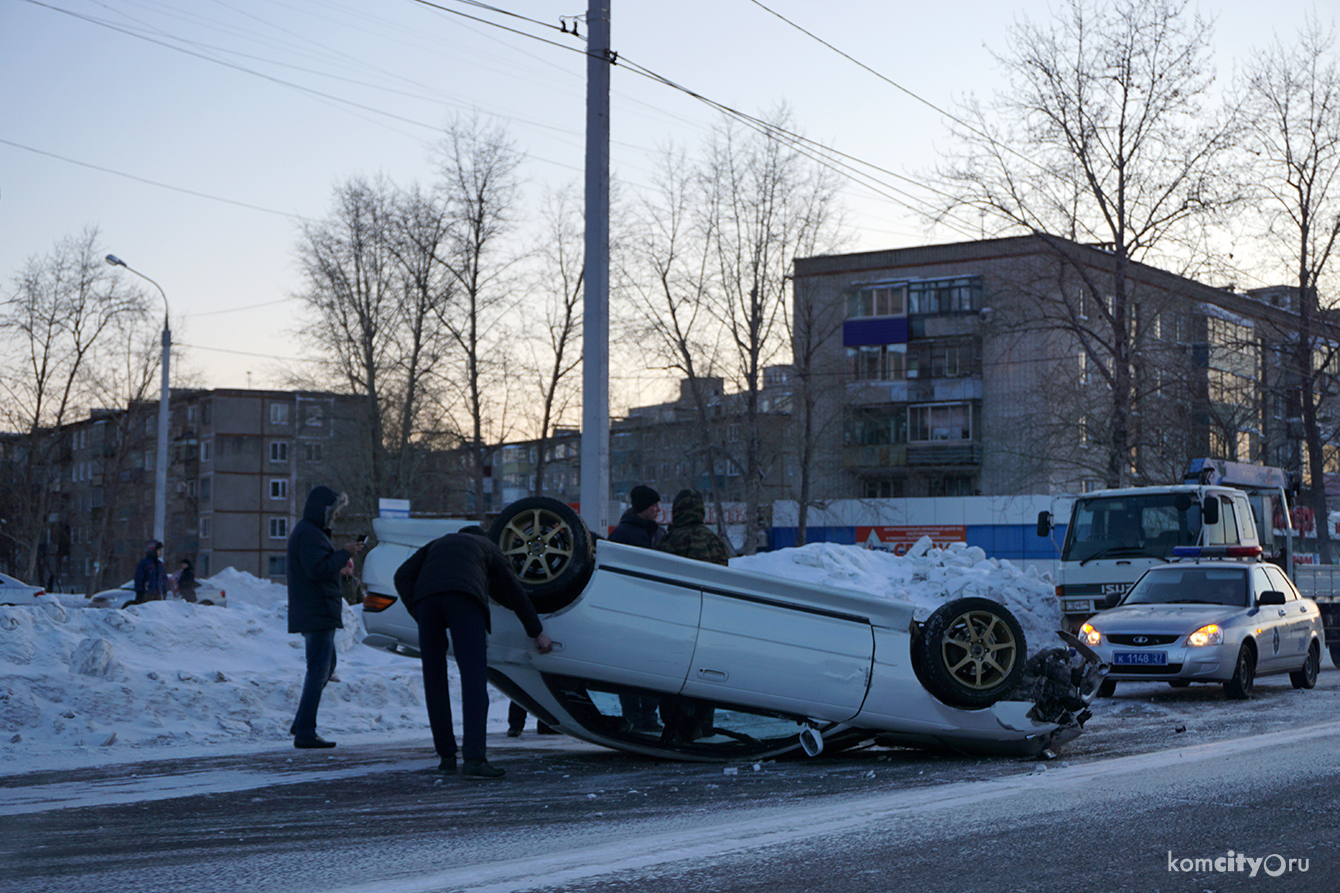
1139,658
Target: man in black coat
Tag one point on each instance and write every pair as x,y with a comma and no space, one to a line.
637,526
314,603
150,576
446,587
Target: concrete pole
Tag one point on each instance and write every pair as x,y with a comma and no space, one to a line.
595,488
164,393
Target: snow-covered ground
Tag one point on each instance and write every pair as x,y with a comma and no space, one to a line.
83,685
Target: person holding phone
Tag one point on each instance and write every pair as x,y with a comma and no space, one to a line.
315,606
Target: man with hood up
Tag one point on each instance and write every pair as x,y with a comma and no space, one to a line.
688,536
150,576
314,602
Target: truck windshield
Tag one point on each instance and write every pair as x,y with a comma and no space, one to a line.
1139,526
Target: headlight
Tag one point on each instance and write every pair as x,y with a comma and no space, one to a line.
1209,634
1090,636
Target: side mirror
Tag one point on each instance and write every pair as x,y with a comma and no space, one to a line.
1044,523
1209,510
1271,597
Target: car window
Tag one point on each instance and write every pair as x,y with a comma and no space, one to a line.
1279,581
1190,585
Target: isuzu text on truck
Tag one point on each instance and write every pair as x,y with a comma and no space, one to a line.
1114,536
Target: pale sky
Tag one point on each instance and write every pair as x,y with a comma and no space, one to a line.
196,134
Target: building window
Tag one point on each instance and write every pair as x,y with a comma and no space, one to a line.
206,450
885,488
278,451
951,485
192,488
278,413
277,565
278,528
875,427
311,452
148,460
944,359
206,489
878,300
945,295
278,488
943,422
878,362
204,528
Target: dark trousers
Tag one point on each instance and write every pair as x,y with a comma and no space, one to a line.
320,667
462,618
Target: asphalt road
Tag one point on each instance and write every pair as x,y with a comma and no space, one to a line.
1161,779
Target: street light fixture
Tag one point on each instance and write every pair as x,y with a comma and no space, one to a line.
160,469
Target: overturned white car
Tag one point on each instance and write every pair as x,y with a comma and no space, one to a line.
737,664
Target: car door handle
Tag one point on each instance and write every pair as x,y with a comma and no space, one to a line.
709,675
1282,612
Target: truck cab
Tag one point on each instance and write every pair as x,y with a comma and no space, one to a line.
1114,536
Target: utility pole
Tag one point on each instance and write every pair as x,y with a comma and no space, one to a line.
595,488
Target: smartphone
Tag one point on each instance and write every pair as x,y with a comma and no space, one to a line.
362,538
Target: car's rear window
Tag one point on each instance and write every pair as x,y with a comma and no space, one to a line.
1191,585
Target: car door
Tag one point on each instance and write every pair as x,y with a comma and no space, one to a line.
771,655
1272,625
1297,628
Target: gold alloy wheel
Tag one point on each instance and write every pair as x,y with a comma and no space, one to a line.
539,544
979,649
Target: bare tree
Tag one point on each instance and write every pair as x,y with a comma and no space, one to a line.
1292,106
480,190
375,291
64,308
558,353
1103,135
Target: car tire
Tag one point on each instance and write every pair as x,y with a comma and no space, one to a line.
1306,677
549,548
1239,687
970,652
1107,688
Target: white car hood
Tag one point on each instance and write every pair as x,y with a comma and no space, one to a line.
1170,618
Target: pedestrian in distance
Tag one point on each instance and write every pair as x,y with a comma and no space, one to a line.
315,607
446,587
150,576
186,583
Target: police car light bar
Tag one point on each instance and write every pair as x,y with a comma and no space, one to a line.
1216,551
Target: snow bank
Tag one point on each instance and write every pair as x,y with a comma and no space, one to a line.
80,683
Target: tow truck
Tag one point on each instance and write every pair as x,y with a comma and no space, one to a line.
1114,536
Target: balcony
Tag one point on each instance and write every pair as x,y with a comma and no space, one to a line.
950,452
883,455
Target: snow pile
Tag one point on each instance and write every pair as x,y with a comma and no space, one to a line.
926,577
172,673
79,682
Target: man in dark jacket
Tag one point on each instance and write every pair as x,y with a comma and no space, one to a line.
314,602
637,526
150,576
446,587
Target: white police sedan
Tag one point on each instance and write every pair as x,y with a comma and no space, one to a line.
1202,619
738,664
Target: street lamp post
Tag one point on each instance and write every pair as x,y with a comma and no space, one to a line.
160,468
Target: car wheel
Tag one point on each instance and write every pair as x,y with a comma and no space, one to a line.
549,547
1307,676
206,602
1239,688
970,652
1107,688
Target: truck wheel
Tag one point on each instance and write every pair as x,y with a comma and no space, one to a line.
1306,677
970,652
549,548
1239,688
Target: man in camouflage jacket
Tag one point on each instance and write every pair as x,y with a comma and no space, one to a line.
688,535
